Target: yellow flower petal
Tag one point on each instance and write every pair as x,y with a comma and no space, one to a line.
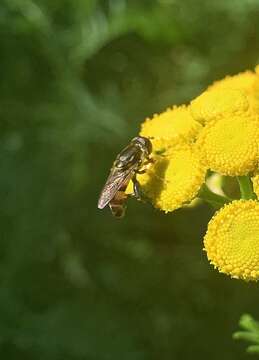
231,241
229,145
171,124
217,103
174,179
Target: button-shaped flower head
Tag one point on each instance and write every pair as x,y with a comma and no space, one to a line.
216,103
170,124
233,95
232,240
175,177
230,145
244,81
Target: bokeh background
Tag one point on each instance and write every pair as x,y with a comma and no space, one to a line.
77,79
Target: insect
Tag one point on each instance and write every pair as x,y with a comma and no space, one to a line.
129,162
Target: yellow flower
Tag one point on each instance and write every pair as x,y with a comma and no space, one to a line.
230,145
175,177
247,82
232,240
216,103
243,81
171,124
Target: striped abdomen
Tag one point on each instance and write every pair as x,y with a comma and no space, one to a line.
117,203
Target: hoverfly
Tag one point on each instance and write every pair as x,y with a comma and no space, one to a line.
128,163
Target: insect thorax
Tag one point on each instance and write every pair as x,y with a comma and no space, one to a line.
131,155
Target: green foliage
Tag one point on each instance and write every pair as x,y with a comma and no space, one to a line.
77,77
249,333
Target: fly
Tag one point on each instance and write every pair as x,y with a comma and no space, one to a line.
129,162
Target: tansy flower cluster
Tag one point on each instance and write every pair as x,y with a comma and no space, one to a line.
216,134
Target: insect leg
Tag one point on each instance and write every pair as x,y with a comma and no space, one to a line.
150,160
136,188
139,172
146,163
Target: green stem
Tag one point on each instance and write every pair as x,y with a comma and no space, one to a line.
215,200
246,187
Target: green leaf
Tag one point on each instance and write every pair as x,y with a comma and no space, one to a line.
250,332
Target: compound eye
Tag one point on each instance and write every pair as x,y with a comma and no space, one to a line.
144,142
148,144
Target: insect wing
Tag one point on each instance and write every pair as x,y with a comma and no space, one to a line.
115,180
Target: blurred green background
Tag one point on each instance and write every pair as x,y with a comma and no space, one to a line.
77,78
